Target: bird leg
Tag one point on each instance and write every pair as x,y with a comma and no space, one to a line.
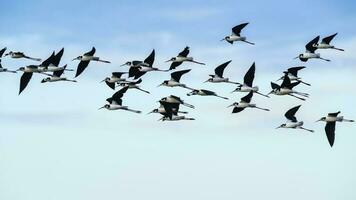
296,97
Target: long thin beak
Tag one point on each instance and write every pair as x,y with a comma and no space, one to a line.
278,127
74,59
206,81
101,107
167,60
160,85
123,65
102,81
271,92
233,91
6,54
279,79
318,120
296,57
230,106
150,112
222,39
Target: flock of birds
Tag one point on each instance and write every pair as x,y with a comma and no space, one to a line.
170,106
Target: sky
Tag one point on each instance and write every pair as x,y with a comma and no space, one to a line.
55,144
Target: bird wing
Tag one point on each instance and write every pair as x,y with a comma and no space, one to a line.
290,114
237,109
178,74
219,70
274,86
208,92
110,84
250,75
150,59
176,98
237,29
286,82
310,46
184,53
58,57
169,108
25,79
81,67
59,72
118,74
119,94
135,72
334,114
49,60
327,40
294,70
2,51
91,52
174,65
248,97
330,132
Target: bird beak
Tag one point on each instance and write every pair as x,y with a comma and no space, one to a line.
150,112
123,65
102,81
101,108
6,54
271,92
318,120
160,85
296,57
278,127
233,91
280,79
230,106
168,60
222,39
74,59
189,94
206,81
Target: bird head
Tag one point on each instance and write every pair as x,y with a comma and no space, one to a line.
233,105
238,88
193,92
77,58
281,126
164,83
45,80
128,63
153,111
172,59
209,80
323,119
10,52
107,106
106,79
21,69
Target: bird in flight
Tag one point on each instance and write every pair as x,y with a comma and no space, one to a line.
236,35
292,120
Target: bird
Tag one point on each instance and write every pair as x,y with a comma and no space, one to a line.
292,120
245,103
20,55
85,59
2,51
247,86
170,112
310,51
142,68
286,88
236,35
325,43
133,85
203,92
175,78
27,75
182,57
176,99
57,76
162,110
51,64
331,120
292,73
115,78
115,102
218,76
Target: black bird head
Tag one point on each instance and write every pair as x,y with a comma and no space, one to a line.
107,106
45,80
193,92
281,126
78,58
323,119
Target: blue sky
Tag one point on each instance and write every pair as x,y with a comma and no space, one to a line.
55,144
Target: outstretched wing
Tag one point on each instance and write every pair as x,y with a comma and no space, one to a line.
294,70
81,67
248,97
91,52
334,114
116,97
237,109
219,70
25,79
286,82
48,61
57,58
2,51
150,59
330,132
178,74
174,65
208,92
237,29
110,84
310,46
290,114
250,75
327,40
118,74
274,86
184,53
59,72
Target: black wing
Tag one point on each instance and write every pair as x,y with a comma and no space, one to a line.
178,74
208,92
184,53
59,72
57,58
118,74
135,72
294,70
327,40
81,67
49,60
237,109
237,29
334,114
111,85
118,95
286,82
310,46
275,86
150,59
248,97
290,114
250,75
174,65
91,52
170,108
330,132
219,70
25,79
2,51
176,98
292,85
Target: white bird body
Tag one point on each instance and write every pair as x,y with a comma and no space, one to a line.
217,79
173,83
176,118
182,59
324,46
233,38
309,55
116,107
294,124
88,58
283,91
147,69
246,88
334,119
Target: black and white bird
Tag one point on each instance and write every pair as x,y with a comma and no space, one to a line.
245,103
218,76
51,64
292,73
174,99
202,92
331,120
175,78
286,88
57,76
310,51
247,86
236,35
85,59
115,102
133,85
325,43
27,75
182,57
17,55
170,112
139,68
162,110
116,77
292,120
2,51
